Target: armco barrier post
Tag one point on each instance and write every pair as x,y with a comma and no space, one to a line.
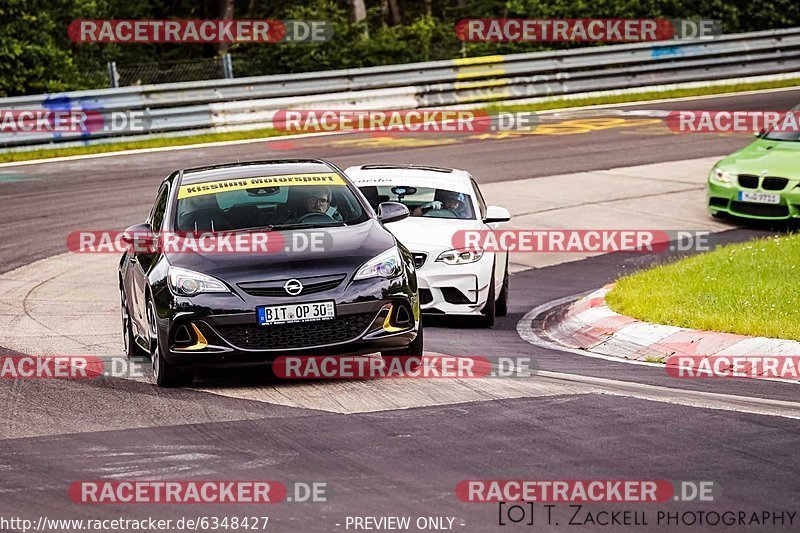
113,75
227,66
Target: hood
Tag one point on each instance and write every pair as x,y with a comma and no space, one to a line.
425,234
777,158
345,249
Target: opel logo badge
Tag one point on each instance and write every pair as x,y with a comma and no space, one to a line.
293,287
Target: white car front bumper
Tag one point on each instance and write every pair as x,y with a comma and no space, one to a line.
454,289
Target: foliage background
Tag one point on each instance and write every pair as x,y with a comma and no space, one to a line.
36,55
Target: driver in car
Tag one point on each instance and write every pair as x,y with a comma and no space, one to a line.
318,200
449,200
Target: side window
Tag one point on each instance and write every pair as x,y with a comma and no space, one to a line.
479,196
160,207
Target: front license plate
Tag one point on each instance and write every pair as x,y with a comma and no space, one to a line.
759,197
305,312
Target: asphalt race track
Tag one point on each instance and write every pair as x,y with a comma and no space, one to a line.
399,448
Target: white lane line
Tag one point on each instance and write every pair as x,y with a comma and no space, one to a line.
692,398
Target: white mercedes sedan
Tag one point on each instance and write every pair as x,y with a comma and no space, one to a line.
443,201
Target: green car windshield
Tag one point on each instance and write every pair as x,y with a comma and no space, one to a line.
783,136
773,135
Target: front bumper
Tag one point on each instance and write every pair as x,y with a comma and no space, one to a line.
455,289
723,198
204,332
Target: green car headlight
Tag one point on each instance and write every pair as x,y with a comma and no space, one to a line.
722,176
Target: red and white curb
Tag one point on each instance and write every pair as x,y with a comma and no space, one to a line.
590,325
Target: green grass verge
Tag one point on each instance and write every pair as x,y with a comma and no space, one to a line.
749,288
8,157
559,103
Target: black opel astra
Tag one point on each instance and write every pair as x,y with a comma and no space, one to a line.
332,281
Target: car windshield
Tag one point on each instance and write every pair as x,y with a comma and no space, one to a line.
782,136
273,202
422,201
790,134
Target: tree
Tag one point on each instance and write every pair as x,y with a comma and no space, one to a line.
225,13
358,13
392,8
32,60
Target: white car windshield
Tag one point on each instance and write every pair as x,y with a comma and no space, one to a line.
422,201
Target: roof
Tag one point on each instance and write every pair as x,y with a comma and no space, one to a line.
250,169
411,175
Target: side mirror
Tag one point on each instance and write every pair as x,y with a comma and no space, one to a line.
392,212
140,237
760,133
496,214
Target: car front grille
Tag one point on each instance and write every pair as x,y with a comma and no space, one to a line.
760,210
425,296
748,181
718,202
774,184
275,288
419,259
454,296
300,335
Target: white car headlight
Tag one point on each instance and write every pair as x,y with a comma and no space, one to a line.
188,283
459,257
722,176
385,265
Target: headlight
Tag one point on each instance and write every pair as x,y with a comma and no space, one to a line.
722,176
459,257
188,283
386,265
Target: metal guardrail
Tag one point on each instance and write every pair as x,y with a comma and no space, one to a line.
250,103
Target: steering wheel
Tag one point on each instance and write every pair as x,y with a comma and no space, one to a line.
440,213
318,218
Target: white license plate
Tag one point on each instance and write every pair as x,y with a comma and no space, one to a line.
759,197
305,312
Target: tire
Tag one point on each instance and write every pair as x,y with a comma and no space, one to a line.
131,348
490,309
501,308
415,350
165,374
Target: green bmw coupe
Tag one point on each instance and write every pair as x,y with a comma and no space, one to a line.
760,181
